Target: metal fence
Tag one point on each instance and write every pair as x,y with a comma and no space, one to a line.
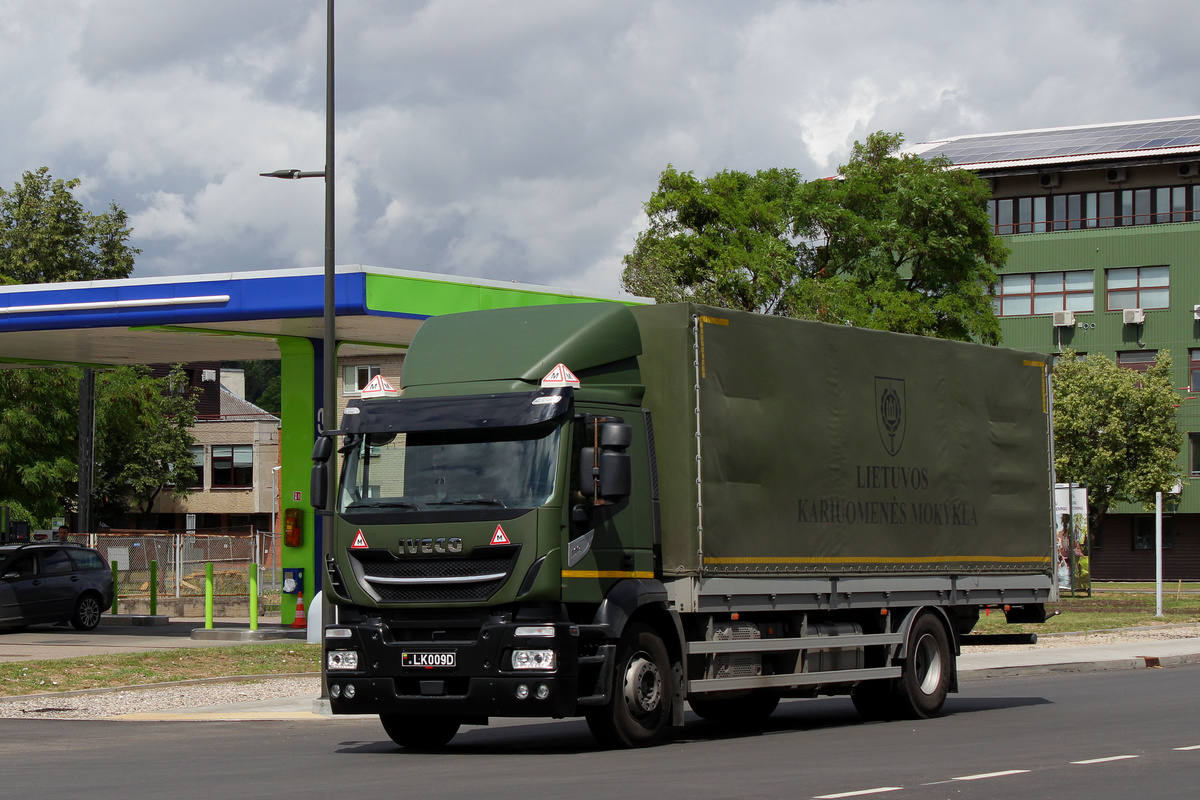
182,556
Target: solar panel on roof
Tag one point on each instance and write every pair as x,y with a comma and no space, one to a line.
1070,141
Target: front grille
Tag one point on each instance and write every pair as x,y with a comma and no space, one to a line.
457,579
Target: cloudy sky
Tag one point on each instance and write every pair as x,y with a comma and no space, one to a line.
518,140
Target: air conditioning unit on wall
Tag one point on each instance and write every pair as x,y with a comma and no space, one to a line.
1117,175
1064,319
1190,170
1050,180
1134,316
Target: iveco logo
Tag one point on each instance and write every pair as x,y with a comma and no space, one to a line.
440,545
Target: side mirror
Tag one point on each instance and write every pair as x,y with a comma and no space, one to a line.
322,448
607,473
318,482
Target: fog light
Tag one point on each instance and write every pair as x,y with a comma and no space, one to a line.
533,659
335,691
341,659
522,692
542,691
349,691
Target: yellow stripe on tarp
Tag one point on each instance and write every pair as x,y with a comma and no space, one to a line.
604,573
898,560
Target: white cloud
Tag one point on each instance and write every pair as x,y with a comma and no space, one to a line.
520,141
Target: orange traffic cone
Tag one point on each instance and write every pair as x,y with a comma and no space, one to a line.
301,620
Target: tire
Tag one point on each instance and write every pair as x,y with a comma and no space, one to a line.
875,700
87,612
925,681
744,710
639,706
419,732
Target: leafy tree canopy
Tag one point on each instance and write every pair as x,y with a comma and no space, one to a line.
895,243
1114,430
142,439
47,236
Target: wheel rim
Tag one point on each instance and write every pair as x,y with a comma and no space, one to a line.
928,664
89,611
643,685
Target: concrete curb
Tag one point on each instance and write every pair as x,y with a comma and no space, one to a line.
1106,665
247,635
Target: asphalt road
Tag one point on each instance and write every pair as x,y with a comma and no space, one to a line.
1103,735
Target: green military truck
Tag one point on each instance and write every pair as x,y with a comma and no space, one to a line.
601,511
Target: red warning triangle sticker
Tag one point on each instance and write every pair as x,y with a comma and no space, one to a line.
500,537
560,376
360,541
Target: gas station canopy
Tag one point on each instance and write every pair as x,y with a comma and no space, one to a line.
234,316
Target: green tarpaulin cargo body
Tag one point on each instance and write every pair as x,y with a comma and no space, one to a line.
607,511
830,449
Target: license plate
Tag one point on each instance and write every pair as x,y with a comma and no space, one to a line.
427,660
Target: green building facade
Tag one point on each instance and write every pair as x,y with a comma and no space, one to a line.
1103,223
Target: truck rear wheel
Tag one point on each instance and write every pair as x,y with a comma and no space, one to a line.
419,732
639,706
925,681
744,710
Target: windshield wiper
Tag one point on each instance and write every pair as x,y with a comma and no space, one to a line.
479,501
385,504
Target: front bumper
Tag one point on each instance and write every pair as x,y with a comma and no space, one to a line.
481,684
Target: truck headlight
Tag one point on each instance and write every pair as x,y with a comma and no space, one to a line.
533,659
341,659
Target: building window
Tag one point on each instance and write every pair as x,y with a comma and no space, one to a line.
1027,293
197,465
1137,360
1143,533
355,377
233,465
1070,212
1138,287
1194,453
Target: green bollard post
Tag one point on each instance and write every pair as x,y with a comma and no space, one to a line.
208,596
253,596
153,588
115,592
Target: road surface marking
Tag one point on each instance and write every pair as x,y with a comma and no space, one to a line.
986,775
1190,747
859,793
1102,760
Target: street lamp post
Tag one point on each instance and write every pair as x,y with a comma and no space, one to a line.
329,355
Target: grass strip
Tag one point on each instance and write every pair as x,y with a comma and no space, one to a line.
159,666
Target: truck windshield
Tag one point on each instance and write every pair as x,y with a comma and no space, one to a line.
439,470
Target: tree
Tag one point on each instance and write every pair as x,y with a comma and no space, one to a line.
38,441
47,236
143,442
1115,431
896,242
727,240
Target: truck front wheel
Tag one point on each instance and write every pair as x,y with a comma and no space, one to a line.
923,686
419,732
639,707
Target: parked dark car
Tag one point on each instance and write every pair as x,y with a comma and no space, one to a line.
53,583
